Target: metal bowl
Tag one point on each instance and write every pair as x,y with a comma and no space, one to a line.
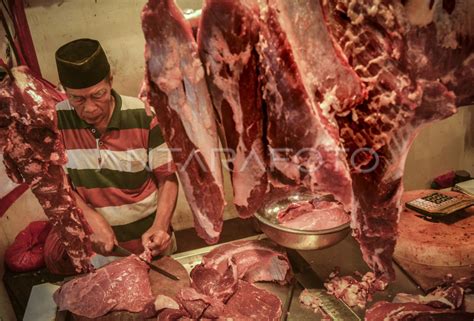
293,238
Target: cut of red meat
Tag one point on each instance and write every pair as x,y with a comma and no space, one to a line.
378,40
255,261
228,33
252,303
347,85
175,86
313,215
302,94
199,305
172,315
221,294
33,154
210,282
55,255
122,285
382,311
26,253
450,297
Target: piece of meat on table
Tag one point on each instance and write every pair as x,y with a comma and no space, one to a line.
33,154
390,45
354,291
256,260
175,86
199,305
173,315
448,297
214,284
386,311
164,289
251,303
313,215
228,33
122,285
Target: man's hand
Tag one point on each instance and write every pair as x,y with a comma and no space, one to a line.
103,237
156,239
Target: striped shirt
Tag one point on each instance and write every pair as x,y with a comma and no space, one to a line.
115,172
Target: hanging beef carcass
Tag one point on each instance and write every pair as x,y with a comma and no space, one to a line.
394,54
306,80
228,34
33,154
175,86
346,85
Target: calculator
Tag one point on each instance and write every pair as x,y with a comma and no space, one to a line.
438,204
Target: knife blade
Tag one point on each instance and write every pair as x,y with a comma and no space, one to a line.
308,279
123,251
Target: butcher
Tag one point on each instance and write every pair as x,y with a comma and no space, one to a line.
118,163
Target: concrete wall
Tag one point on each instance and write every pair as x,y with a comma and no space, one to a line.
440,147
115,23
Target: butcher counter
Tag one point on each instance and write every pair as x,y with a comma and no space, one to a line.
345,256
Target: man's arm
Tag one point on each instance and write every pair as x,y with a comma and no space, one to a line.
158,237
103,237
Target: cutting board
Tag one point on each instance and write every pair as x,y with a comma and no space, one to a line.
159,285
428,250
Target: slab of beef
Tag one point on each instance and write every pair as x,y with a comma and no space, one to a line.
33,154
386,311
226,297
252,303
199,305
120,285
391,53
175,86
313,215
218,292
214,284
209,291
163,288
450,297
228,33
306,81
255,260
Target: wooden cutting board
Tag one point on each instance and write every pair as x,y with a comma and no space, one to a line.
428,250
160,284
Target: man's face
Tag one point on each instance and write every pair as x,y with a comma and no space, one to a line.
93,104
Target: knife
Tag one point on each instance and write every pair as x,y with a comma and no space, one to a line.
124,252
308,279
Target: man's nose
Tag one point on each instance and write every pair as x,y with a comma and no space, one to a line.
89,105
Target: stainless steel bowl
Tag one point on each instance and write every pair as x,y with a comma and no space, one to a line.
293,238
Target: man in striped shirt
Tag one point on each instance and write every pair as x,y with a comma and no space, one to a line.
118,162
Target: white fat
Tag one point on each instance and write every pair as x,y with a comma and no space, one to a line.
165,302
419,13
248,169
181,77
37,98
329,103
374,8
22,79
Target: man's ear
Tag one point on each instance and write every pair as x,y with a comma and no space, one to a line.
111,78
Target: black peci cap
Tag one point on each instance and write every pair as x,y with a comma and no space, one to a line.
81,63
